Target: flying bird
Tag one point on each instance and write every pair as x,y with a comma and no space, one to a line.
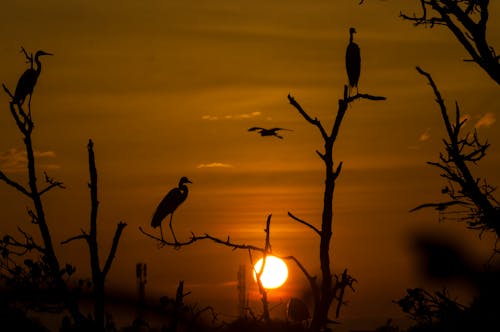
268,132
352,61
28,79
439,206
169,204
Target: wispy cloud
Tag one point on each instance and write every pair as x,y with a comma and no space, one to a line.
14,161
214,165
425,135
231,116
486,120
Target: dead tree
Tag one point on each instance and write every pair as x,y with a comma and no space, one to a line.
34,192
98,274
467,20
328,289
470,199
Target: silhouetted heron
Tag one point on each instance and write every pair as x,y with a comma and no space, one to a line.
27,81
169,204
353,61
268,132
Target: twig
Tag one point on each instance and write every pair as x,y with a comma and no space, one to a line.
305,223
14,184
119,229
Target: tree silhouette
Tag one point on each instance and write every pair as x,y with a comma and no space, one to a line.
470,200
45,275
331,287
471,197
10,245
98,274
467,20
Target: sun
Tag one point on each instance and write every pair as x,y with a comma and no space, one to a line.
275,272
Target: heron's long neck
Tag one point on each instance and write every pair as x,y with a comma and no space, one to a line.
38,65
184,189
351,37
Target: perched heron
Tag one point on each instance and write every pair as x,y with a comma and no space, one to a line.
268,132
353,61
169,204
27,81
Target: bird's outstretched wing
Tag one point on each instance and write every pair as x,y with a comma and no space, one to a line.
276,129
255,128
166,206
439,206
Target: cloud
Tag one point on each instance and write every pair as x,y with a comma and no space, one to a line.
210,117
14,161
425,135
486,120
214,165
231,116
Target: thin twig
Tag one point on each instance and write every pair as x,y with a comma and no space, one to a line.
305,223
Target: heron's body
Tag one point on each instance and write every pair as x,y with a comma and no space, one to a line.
353,60
28,80
169,204
268,132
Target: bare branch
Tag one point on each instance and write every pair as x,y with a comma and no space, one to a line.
460,17
83,236
195,238
337,172
119,229
14,184
305,223
314,122
364,96
52,184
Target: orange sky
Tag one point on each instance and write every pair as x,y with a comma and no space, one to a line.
167,89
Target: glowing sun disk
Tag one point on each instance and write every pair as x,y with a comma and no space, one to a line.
275,272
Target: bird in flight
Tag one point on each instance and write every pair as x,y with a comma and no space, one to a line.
28,79
169,204
353,61
268,132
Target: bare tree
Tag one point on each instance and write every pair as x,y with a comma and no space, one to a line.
54,274
470,198
328,289
467,20
98,274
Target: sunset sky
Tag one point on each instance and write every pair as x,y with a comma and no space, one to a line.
169,88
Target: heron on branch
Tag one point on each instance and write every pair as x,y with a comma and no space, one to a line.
353,61
169,204
28,79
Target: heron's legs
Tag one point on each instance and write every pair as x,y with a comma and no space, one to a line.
29,107
161,232
171,229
